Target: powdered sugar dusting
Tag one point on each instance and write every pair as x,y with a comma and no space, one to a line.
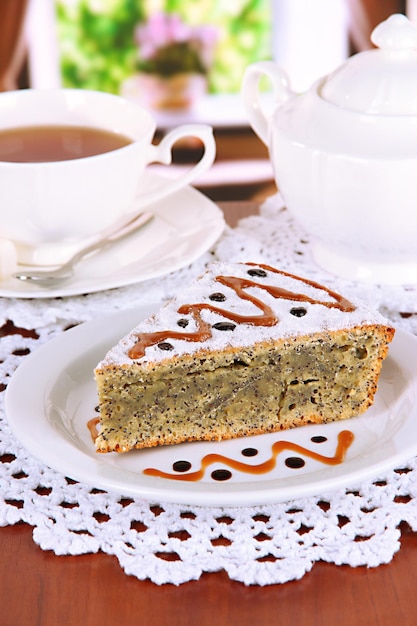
315,317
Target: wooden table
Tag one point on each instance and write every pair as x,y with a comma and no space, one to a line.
39,588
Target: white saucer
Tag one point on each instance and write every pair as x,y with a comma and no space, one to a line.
186,225
52,396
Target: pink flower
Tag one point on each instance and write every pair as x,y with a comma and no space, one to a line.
160,31
163,29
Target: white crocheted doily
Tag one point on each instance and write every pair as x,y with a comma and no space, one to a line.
170,543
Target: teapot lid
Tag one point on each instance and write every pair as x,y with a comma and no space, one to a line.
382,81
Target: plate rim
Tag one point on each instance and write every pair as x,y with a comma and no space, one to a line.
112,478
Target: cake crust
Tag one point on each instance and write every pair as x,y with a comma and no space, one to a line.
248,349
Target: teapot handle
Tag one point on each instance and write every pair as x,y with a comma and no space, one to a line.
250,93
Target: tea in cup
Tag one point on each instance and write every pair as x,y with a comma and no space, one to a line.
73,166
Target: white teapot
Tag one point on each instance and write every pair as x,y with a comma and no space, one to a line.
345,155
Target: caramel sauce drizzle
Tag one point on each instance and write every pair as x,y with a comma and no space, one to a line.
267,318
92,427
344,441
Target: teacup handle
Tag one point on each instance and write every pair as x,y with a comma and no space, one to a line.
162,153
250,94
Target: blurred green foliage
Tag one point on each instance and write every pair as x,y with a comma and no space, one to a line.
98,49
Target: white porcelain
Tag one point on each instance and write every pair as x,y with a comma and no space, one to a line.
185,225
345,155
8,259
47,209
50,420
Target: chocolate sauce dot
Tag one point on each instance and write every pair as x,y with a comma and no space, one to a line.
221,474
250,452
224,326
217,297
298,311
181,466
164,345
319,439
183,323
257,272
294,462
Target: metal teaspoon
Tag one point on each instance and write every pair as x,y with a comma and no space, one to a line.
65,271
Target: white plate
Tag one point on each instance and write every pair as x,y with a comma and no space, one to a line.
186,225
52,396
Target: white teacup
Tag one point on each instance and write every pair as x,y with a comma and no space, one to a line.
49,208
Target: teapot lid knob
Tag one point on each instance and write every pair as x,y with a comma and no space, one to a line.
381,81
396,33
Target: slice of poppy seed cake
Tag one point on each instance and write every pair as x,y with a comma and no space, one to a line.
247,349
